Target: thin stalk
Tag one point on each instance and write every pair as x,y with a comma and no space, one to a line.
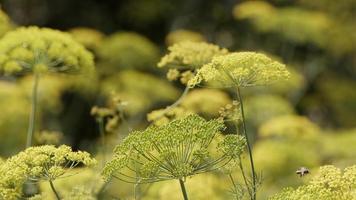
184,191
248,144
102,138
32,118
54,190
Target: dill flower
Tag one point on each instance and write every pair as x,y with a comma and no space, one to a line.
38,50
289,127
163,116
262,108
176,150
191,55
205,101
183,35
295,24
127,50
241,69
38,163
329,183
88,37
139,95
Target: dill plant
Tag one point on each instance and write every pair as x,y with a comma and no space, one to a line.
38,51
39,163
239,70
177,150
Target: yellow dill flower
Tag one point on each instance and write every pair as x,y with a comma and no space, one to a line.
330,183
183,35
127,50
294,24
191,55
262,108
38,163
241,70
139,95
33,49
205,101
163,116
290,127
88,37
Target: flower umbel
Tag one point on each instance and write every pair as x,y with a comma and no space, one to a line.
33,49
241,69
175,150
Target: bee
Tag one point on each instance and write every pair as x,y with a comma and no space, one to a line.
302,171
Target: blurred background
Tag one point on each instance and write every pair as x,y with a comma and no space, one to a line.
309,120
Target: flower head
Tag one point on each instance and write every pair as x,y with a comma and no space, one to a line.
191,55
176,150
241,70
38,163
33,49
182,35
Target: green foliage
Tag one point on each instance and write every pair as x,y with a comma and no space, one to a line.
330,183
241,70
176,150
40,50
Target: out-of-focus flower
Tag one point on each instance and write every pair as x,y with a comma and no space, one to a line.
151,155
261,108
205,101
163,116
241,70
329,183
190,55
38,50
290,127
88,37
139,95
48,137
183,35
127,50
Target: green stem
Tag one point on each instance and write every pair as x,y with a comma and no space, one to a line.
54,190
102,138
184,191
32,118
248,144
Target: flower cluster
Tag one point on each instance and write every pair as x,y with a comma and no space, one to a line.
261,108
139,95
190,55
33,49
241,69
290,127
38,163
127,50
90,38
164,116
176,150
330,183
183,35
